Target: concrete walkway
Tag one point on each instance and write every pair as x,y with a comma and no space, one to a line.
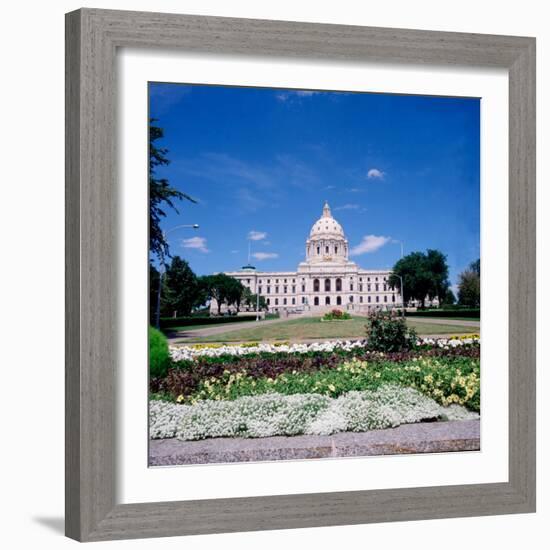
438,321
424,437
182,336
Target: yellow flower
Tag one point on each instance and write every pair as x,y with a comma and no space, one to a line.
180,398
331,387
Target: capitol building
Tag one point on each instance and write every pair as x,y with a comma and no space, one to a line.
327,278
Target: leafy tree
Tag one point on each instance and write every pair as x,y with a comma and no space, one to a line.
165,295
250,300
469,288
223,289
161,193
185,291
476,267
423,274
449,298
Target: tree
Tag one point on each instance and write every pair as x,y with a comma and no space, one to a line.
469,293
161,193
423,274
166,295
449,298
185,291
222,288
250,300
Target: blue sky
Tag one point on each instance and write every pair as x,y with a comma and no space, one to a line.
261,162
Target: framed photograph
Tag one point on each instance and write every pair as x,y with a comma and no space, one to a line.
300,275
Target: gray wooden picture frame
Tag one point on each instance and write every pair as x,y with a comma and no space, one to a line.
92,39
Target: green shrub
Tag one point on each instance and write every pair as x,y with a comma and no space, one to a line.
159,356
386,331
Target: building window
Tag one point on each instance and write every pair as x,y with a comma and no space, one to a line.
327,300
327,285
316,285
303,299
368,278
268,290
260,281
385,298
361,299
326,249
316,300
277,290
393,297
338,300
259,290
276,301
368,299
376,287
268,301
377,299
368,288
318,250
338,285
303,288
336,250
351,298
285,289
293,289
293,280
284,281
276,280
293,301
376,279
360,288
284,301
351,286
268,281
385,288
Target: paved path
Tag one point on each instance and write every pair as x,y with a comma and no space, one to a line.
424,437
439,321
182,336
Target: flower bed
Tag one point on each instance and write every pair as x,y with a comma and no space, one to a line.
275,414
448,380
181,353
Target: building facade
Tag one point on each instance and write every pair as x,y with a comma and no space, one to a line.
327,279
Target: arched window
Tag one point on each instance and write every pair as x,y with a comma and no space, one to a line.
318,250
326,249
316,285
336,250
327,285
351,298
338,285
338,300
327,300
316,301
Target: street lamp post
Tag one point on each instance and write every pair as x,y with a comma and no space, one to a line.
401,279
163,266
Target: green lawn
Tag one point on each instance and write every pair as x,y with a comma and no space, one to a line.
312,328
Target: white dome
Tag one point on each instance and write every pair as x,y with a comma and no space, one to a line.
326,226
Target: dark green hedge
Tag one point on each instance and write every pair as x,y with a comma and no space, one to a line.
170,322
445,313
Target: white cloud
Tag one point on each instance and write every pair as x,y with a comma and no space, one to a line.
257,235
348,206
374,173
264,255
196,243
370,243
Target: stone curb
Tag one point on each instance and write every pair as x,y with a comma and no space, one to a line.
425,437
